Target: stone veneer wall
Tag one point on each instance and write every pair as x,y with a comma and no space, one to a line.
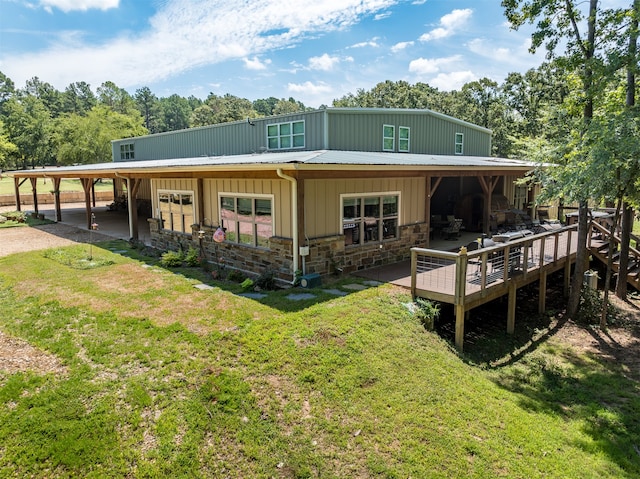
327,255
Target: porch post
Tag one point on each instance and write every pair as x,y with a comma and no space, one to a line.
16,185
427,208
511,314
133,185
56,199
542,293
86,186
34,191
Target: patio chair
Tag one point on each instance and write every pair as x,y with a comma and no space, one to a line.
453,230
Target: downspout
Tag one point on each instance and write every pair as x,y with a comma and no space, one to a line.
294,217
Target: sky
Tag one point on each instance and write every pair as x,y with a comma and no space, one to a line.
314,51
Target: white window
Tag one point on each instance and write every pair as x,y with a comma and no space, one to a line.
403,138
126,151
388,137
520,197
176,210
247,220
459,143
370,217
285,135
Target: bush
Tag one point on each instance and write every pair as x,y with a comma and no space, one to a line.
247,284
427,312
236,276
266,281
192,258
172,259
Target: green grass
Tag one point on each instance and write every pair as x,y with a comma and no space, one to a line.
164,380
45,185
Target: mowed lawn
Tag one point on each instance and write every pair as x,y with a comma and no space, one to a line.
156,378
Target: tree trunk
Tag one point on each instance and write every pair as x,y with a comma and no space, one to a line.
581,261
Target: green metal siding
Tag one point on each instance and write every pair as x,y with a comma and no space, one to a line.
235,138
429,134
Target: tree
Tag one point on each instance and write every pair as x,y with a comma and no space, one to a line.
7,150
7,89
50,97
288,106
116,98
563,20
78,98
149,107
82,139
175,112
222,109
29,127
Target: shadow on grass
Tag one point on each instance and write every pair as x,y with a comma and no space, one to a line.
286,300
588,377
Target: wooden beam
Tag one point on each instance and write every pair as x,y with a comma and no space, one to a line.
542,292
460,314
86,186
56,198
34,192
16,185
511,313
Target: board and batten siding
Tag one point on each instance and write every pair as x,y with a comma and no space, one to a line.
429,134
225,139
322,198
279,189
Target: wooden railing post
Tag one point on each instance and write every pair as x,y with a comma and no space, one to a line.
461,285
414,271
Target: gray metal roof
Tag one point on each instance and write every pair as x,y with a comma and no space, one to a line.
311,158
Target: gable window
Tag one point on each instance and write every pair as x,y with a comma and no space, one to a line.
369,218
176,210
388,137
247,220
285,135
126,152
403,139
459,147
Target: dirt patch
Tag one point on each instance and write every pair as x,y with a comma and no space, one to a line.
17,355
23,239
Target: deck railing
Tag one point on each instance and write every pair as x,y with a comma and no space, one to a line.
456,277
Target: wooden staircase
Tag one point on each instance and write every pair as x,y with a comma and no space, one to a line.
599,247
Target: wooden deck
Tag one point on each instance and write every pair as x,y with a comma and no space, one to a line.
469,279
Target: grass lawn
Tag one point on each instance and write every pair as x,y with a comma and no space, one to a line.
45,185
156,378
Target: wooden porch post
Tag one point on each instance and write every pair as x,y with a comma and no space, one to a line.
200,202
488,184
430,191
56,198
16,185
34,191
542,293
511,313
133,185
86,186
460,293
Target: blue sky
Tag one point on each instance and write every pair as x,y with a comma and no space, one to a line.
314,51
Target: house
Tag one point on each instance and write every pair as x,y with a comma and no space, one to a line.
317,191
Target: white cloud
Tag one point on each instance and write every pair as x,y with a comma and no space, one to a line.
323,62
401,46
371,43
309,88
427,66
449,24
483,48
82,5
184,35
452,81
255,63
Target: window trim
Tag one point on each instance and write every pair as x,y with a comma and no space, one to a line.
408,139
127,151
392,138
169,191
252,196
459,142
381,218
291,135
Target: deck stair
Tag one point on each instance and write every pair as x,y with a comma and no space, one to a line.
599,246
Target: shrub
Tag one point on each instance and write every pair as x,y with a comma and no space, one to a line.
192,258
172,259
427,312
247,284
266,281
236,276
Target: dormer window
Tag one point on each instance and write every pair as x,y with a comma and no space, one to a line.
281,136
459,146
